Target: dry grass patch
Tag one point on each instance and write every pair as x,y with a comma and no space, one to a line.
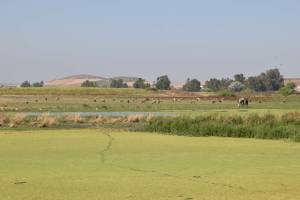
98,120
3,120
17,120
75,119
45,120
135,118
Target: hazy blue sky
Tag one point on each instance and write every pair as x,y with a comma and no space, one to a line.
46,39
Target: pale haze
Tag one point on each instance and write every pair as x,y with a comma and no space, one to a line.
43,40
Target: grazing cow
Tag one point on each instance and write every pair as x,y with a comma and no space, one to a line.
243,102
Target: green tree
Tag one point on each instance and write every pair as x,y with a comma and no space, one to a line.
38,84
236,86
192,85
163,83
240,78
271,80
25,84
89,83
140,83
274,80
215,84
118,83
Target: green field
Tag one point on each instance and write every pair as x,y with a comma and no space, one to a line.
133,100
110,164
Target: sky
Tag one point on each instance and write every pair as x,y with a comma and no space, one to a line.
49,39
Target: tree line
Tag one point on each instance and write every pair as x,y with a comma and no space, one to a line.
35,84
270,80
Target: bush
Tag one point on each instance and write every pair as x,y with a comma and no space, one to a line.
226,93
17,120
267,126
45,120
287,90
3,120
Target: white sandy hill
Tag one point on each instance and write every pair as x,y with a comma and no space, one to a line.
77,80
74,81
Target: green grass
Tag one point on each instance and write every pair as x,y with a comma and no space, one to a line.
104,164
266,126
119,102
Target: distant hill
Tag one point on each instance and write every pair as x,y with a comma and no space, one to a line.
83,76
77,80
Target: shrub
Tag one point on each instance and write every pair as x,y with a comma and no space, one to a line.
291,118
227,93
287,90
17,120
75,119
98,120
3,120
267,126
45,120
135,118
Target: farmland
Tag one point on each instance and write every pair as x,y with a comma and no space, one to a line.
135,100
109,164
58,154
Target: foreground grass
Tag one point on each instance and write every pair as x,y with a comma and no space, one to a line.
267,126
106,164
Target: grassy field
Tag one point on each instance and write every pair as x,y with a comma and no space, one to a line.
135,101
105,164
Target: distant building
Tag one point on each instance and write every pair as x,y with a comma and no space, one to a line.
293,80
9,85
